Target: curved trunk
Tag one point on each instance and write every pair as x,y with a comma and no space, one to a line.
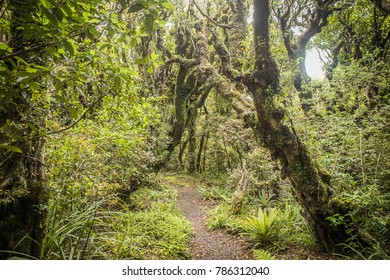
311,186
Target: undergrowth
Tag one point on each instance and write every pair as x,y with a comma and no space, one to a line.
271,225
152,229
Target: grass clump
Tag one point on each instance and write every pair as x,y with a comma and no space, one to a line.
278,228
150,227
71,237
153,234
274,229
155,230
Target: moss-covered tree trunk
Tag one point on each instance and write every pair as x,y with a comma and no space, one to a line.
240,192
23,190
202,147
181,153
311,186
192,114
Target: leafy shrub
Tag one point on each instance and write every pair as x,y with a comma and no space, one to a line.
295,229
370,221
264,228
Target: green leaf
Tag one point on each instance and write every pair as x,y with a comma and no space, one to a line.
4,46
31,70
93,31
47,4
135,8
160,23
139,61
85,15
59,14
68,47
153,56
73,113
66,9
50,16
84,6
21,60
123,3
33,127
11,148
149,23
169,6
133,43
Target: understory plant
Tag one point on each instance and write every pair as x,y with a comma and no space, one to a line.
153,229
264,228
74,236
260,254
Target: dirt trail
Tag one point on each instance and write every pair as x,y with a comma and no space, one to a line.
208,244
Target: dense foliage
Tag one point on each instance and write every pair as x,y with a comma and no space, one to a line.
97,98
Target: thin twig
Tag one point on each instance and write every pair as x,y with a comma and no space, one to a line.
376,167
361,153
3,57
79,119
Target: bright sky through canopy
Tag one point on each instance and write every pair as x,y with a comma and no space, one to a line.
314,65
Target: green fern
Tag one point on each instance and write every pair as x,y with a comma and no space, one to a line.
262,255
266,201
264,227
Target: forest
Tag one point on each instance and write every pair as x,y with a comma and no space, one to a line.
193,129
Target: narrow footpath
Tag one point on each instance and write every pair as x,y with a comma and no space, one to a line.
207,244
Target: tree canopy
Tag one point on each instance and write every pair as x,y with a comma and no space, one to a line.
99,99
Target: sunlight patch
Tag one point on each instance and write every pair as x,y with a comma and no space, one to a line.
314,65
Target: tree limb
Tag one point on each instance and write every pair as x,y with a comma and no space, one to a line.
182,61
210,19
33,48
79,119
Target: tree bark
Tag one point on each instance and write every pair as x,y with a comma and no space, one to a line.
181,153
192,140
296,46
237,35
311,185
241,190
201,148
23,188
205,152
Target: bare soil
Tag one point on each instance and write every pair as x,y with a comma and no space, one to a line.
208,244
